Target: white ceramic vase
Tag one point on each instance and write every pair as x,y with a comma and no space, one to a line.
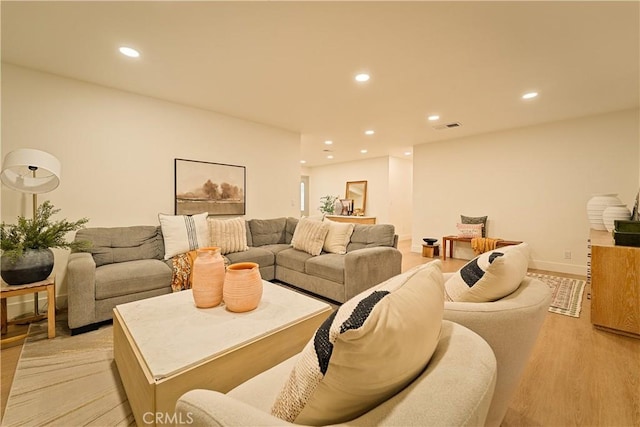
596,205
611,213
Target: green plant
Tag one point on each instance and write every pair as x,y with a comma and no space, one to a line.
39,233
327,204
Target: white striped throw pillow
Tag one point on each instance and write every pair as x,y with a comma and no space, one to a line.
309,236
183,233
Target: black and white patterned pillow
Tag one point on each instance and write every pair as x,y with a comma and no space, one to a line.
490,276
367,350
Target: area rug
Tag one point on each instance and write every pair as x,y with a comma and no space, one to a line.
567,293
67,381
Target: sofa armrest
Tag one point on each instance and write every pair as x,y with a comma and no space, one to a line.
367,267
81,289
210,408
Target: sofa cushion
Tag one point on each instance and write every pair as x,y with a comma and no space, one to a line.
230,235
490,276
290,228
369,236
292,259
183,233
338,237
121,244
262,256
326,266
131,277
310,235
267,231
366,351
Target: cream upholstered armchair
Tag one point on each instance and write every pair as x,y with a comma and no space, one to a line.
511,326
454,390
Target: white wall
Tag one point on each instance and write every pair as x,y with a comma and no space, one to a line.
533,183
389,188
401,195
117,152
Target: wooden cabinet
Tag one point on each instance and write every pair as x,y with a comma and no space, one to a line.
615,285
354,219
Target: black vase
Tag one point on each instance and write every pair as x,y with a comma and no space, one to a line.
33,266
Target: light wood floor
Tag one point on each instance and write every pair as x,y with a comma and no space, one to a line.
577,375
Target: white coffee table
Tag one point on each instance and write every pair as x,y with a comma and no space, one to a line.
165,346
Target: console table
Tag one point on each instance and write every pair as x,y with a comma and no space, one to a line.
352,218
615,285
452,239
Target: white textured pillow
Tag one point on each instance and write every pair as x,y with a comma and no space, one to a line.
183,233
469,230
230,235
309,236
490,276
366,351
338,237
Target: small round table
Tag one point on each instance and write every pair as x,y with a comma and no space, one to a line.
431,251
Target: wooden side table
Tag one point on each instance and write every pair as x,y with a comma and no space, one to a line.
48,285
452,239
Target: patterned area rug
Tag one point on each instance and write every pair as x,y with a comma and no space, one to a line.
567,293
67,381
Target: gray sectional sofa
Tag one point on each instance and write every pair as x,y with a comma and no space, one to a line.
126,264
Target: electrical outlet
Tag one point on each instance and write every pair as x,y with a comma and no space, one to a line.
567,254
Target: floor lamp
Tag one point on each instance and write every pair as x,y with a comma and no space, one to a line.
33,172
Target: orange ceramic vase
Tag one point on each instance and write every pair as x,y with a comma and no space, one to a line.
242,287
208,277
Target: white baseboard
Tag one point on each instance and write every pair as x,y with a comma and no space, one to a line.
559,267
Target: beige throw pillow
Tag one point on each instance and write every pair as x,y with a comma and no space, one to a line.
370,348
183,233
309,236
230,235
490,276
338,237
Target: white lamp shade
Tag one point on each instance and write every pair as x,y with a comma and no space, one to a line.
18,166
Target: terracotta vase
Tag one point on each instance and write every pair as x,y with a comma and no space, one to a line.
242,287
208,277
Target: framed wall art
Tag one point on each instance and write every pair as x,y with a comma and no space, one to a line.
209,187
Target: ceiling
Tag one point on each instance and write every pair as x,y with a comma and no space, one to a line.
292,64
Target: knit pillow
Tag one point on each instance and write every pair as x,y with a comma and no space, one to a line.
230,235
490,276
370,348
338,237
183,233
309,236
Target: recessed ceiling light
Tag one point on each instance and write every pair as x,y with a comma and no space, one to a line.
529,95
329,156
129,51
407,153
363,151
303,161
328,142
363,77
433,117
369,132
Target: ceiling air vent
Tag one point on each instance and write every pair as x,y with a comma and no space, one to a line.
448,125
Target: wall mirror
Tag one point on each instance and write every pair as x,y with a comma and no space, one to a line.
357,191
